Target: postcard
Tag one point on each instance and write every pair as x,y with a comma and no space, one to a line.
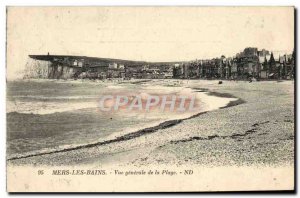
150,99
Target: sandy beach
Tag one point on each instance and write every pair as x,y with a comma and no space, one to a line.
258,130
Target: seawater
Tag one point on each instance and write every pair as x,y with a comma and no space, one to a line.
50,115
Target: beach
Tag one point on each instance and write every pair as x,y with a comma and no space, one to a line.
259,129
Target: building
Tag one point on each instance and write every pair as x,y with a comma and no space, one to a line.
248,63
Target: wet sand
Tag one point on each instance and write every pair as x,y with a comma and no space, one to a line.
257,130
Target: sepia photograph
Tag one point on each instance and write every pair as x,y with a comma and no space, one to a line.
150,98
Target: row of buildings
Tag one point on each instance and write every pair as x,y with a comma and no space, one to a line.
251,62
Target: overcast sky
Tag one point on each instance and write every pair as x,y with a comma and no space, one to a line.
145,33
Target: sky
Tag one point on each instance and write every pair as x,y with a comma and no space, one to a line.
145,33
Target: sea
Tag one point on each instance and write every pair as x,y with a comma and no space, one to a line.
45,115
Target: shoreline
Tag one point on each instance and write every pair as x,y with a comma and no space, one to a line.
141,132
272,143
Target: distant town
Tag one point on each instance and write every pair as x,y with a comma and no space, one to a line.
249,63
